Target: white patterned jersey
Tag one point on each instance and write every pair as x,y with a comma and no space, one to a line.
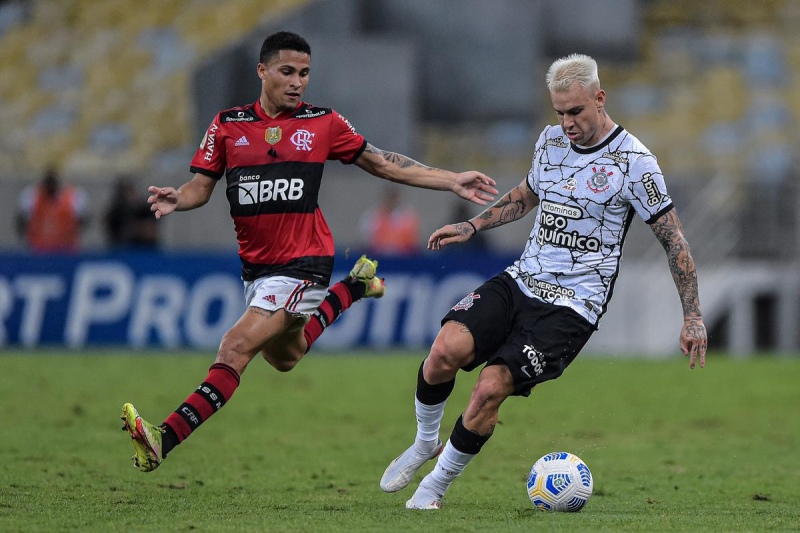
587,199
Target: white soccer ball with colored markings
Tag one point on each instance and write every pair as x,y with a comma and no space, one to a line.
560,481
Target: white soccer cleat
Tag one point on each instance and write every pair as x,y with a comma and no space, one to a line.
424,499
400,471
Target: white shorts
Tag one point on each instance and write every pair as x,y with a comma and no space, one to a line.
296,297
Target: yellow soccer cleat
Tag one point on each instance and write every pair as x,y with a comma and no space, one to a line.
146,439
365,271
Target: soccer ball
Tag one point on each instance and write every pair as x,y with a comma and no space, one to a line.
560,481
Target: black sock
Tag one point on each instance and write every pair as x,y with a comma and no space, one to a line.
168,440
432,394
356,287
466,441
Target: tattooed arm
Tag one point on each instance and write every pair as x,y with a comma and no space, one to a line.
514,205
669,233
473,186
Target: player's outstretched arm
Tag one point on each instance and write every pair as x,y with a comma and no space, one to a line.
471,185
669,233
514,205
192,194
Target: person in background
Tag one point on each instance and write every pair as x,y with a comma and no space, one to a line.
52,214
129,223
391,228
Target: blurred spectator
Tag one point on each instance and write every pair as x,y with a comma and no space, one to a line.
129,221
51,214
391,228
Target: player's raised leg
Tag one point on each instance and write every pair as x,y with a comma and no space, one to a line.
362,282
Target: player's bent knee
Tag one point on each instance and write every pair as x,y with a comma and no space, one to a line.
449,354
440,360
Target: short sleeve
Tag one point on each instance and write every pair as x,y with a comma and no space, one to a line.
346,144
646,190
210,155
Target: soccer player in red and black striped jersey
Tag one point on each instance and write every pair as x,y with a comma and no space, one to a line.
272,153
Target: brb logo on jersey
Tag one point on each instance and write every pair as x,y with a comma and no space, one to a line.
256,192
302,140
553,220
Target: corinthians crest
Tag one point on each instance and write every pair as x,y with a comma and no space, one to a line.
273,135
599,180
466,302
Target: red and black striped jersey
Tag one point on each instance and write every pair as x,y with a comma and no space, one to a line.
273,168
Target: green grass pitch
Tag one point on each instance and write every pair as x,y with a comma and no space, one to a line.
670,449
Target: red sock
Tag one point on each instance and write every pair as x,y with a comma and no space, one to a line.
210,396
340,297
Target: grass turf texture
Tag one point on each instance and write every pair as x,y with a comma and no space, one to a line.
670,449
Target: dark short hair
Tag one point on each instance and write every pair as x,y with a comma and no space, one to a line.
283,40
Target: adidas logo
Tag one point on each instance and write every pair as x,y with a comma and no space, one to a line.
242,141
270,297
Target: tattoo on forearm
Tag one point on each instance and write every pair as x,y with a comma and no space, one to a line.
669,233
398,159
510,207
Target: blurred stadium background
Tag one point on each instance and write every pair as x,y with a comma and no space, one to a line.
103,89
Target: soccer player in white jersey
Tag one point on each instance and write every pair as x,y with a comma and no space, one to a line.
589,177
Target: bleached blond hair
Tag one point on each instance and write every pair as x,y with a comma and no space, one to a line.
574,68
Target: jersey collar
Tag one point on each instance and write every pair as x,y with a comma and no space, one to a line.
602,144
263,114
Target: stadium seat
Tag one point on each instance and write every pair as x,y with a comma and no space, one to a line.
98,56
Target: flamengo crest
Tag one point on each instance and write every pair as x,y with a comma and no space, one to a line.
302,140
